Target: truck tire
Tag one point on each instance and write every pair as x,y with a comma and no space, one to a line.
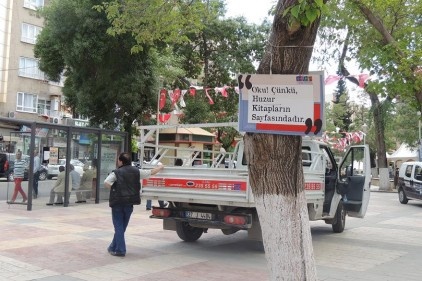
188,233
42,176
339,220
402,196
10,177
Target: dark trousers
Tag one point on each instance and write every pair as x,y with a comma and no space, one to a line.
121,216
35,185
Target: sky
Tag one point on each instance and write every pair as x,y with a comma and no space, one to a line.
253,10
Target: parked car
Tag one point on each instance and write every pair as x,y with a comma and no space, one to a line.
7,161
410,181
53,169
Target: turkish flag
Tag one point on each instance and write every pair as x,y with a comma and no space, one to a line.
176,96
163,118
162,101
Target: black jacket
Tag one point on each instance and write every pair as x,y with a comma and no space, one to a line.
126,189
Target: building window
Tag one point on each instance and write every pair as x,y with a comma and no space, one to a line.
29,68
78,116
26,102
44,107
33,4
30,33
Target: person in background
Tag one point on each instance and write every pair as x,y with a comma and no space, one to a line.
59,188
396,177
85,188
94,180
37,167
18,174
76,177
125,186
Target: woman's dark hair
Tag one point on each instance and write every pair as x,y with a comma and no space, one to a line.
125,158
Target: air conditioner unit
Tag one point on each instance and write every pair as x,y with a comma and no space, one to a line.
54,120
11,114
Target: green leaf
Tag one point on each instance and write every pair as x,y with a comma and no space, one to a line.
286,11
319,3
295,11
311,14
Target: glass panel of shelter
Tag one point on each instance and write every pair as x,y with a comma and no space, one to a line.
51,143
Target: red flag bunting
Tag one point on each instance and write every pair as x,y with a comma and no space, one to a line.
163,118
208,96
162,101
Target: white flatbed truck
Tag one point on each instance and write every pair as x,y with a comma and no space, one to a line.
219,196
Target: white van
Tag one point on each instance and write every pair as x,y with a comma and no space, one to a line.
410,181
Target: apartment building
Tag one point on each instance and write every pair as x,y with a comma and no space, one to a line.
25,93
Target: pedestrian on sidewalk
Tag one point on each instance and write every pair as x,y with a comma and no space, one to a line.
18,173
125,186
37,167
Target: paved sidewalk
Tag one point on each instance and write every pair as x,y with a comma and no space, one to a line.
70,244
57,243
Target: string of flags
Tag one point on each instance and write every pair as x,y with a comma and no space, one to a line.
176,97
343,142
360,79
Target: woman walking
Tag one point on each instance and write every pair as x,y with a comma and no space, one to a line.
18,173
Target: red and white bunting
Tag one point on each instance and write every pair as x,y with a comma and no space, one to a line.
361,78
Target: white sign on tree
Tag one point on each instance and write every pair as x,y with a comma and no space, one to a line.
281,104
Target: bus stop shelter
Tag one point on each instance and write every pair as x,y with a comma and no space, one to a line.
92,148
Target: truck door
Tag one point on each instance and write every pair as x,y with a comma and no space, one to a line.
408,182
417,183
355,179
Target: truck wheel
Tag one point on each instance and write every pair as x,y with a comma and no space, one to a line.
188,233
402,196
42,176
339,219
10,177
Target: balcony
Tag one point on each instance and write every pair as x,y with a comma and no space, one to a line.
48,113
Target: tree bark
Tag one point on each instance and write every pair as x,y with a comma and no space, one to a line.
379,130
275,161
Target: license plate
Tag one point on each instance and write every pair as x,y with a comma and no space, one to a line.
198,215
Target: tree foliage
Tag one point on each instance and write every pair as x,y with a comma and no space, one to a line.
212,55
152,21
105,80
381,36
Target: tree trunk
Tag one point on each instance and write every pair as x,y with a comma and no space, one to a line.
276,177
379,130
276,173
